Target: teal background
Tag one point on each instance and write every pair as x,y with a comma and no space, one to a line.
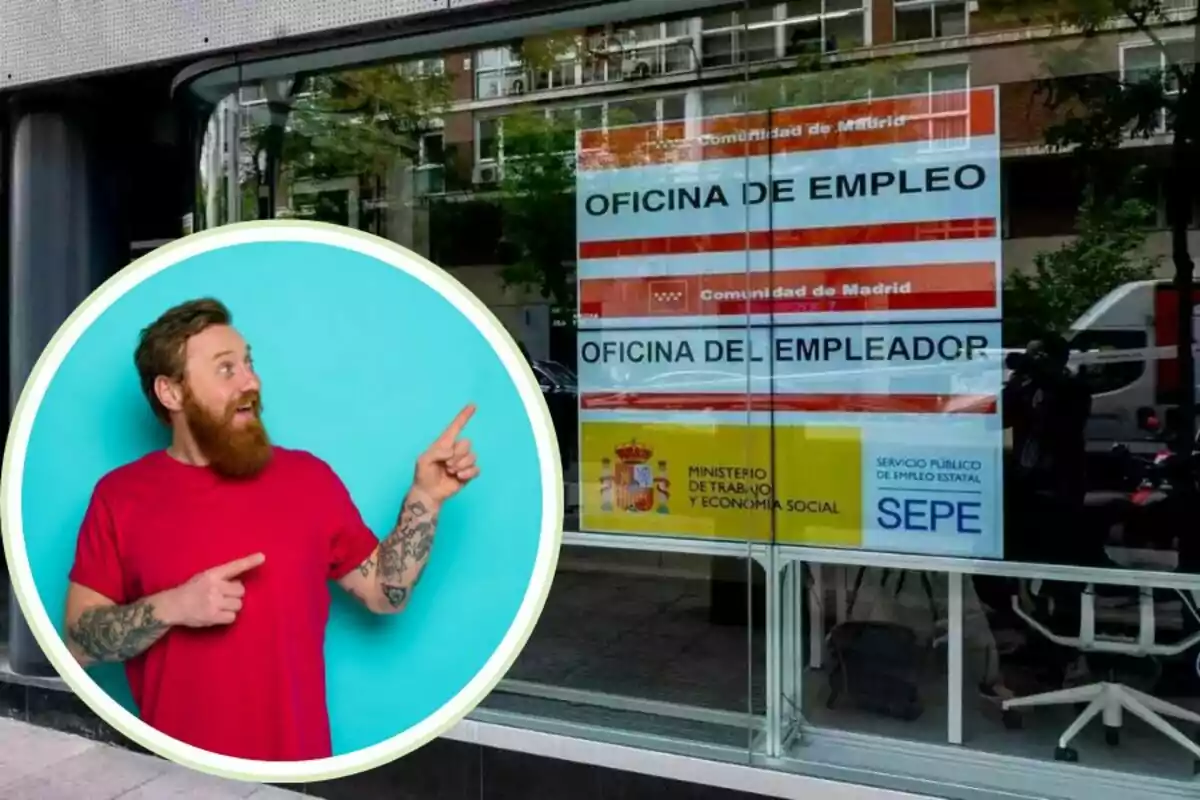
362,365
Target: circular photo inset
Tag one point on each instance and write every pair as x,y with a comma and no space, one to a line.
281,501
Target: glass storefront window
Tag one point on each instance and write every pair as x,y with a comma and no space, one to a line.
663,651
865,362
673,647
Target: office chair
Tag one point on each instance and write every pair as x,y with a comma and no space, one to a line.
1107,699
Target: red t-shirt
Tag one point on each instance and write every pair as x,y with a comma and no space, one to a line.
254,689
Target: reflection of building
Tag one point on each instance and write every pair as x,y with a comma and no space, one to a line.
696,661
726,60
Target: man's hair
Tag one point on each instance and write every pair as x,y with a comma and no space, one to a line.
1057,348
161,348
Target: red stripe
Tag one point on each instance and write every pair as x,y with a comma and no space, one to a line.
848,403
888,233
897,302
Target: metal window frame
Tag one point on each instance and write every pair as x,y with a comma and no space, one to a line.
1167,37
576,64
781,22
931,6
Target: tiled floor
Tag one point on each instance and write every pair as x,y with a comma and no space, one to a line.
38,763
644,637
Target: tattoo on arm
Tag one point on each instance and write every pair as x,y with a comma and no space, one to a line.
404,553
117,633
396,595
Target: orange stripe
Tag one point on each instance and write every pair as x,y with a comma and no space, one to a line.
904,120
736,292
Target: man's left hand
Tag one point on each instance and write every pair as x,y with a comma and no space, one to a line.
449,464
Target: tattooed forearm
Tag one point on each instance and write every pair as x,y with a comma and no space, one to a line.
116,633
404,553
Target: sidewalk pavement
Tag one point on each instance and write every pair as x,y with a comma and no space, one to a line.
43,764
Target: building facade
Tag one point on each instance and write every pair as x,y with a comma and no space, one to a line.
670,69
718,654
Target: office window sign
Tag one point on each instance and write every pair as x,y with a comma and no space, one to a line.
789,326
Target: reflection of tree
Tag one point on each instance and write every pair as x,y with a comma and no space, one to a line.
537,200
1105,253
536,196
813,80
364,120
365,123
1098,111
545,52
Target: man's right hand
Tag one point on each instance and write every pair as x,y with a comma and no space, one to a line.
214,597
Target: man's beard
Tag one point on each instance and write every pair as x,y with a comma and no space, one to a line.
233,451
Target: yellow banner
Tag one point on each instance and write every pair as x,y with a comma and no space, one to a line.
723,481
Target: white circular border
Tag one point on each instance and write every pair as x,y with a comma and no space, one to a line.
46,631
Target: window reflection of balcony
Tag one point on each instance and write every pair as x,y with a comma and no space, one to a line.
609,65
618,62
714,46
429,179
930,19
738,46
423,67
785,30
1146,62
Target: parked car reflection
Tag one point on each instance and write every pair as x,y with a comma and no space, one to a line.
560,388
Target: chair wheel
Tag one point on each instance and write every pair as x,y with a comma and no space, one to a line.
1068,754
1112,736
1012,719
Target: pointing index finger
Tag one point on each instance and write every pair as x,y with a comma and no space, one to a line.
456,426
235,568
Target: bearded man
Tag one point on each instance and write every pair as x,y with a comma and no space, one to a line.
204,567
